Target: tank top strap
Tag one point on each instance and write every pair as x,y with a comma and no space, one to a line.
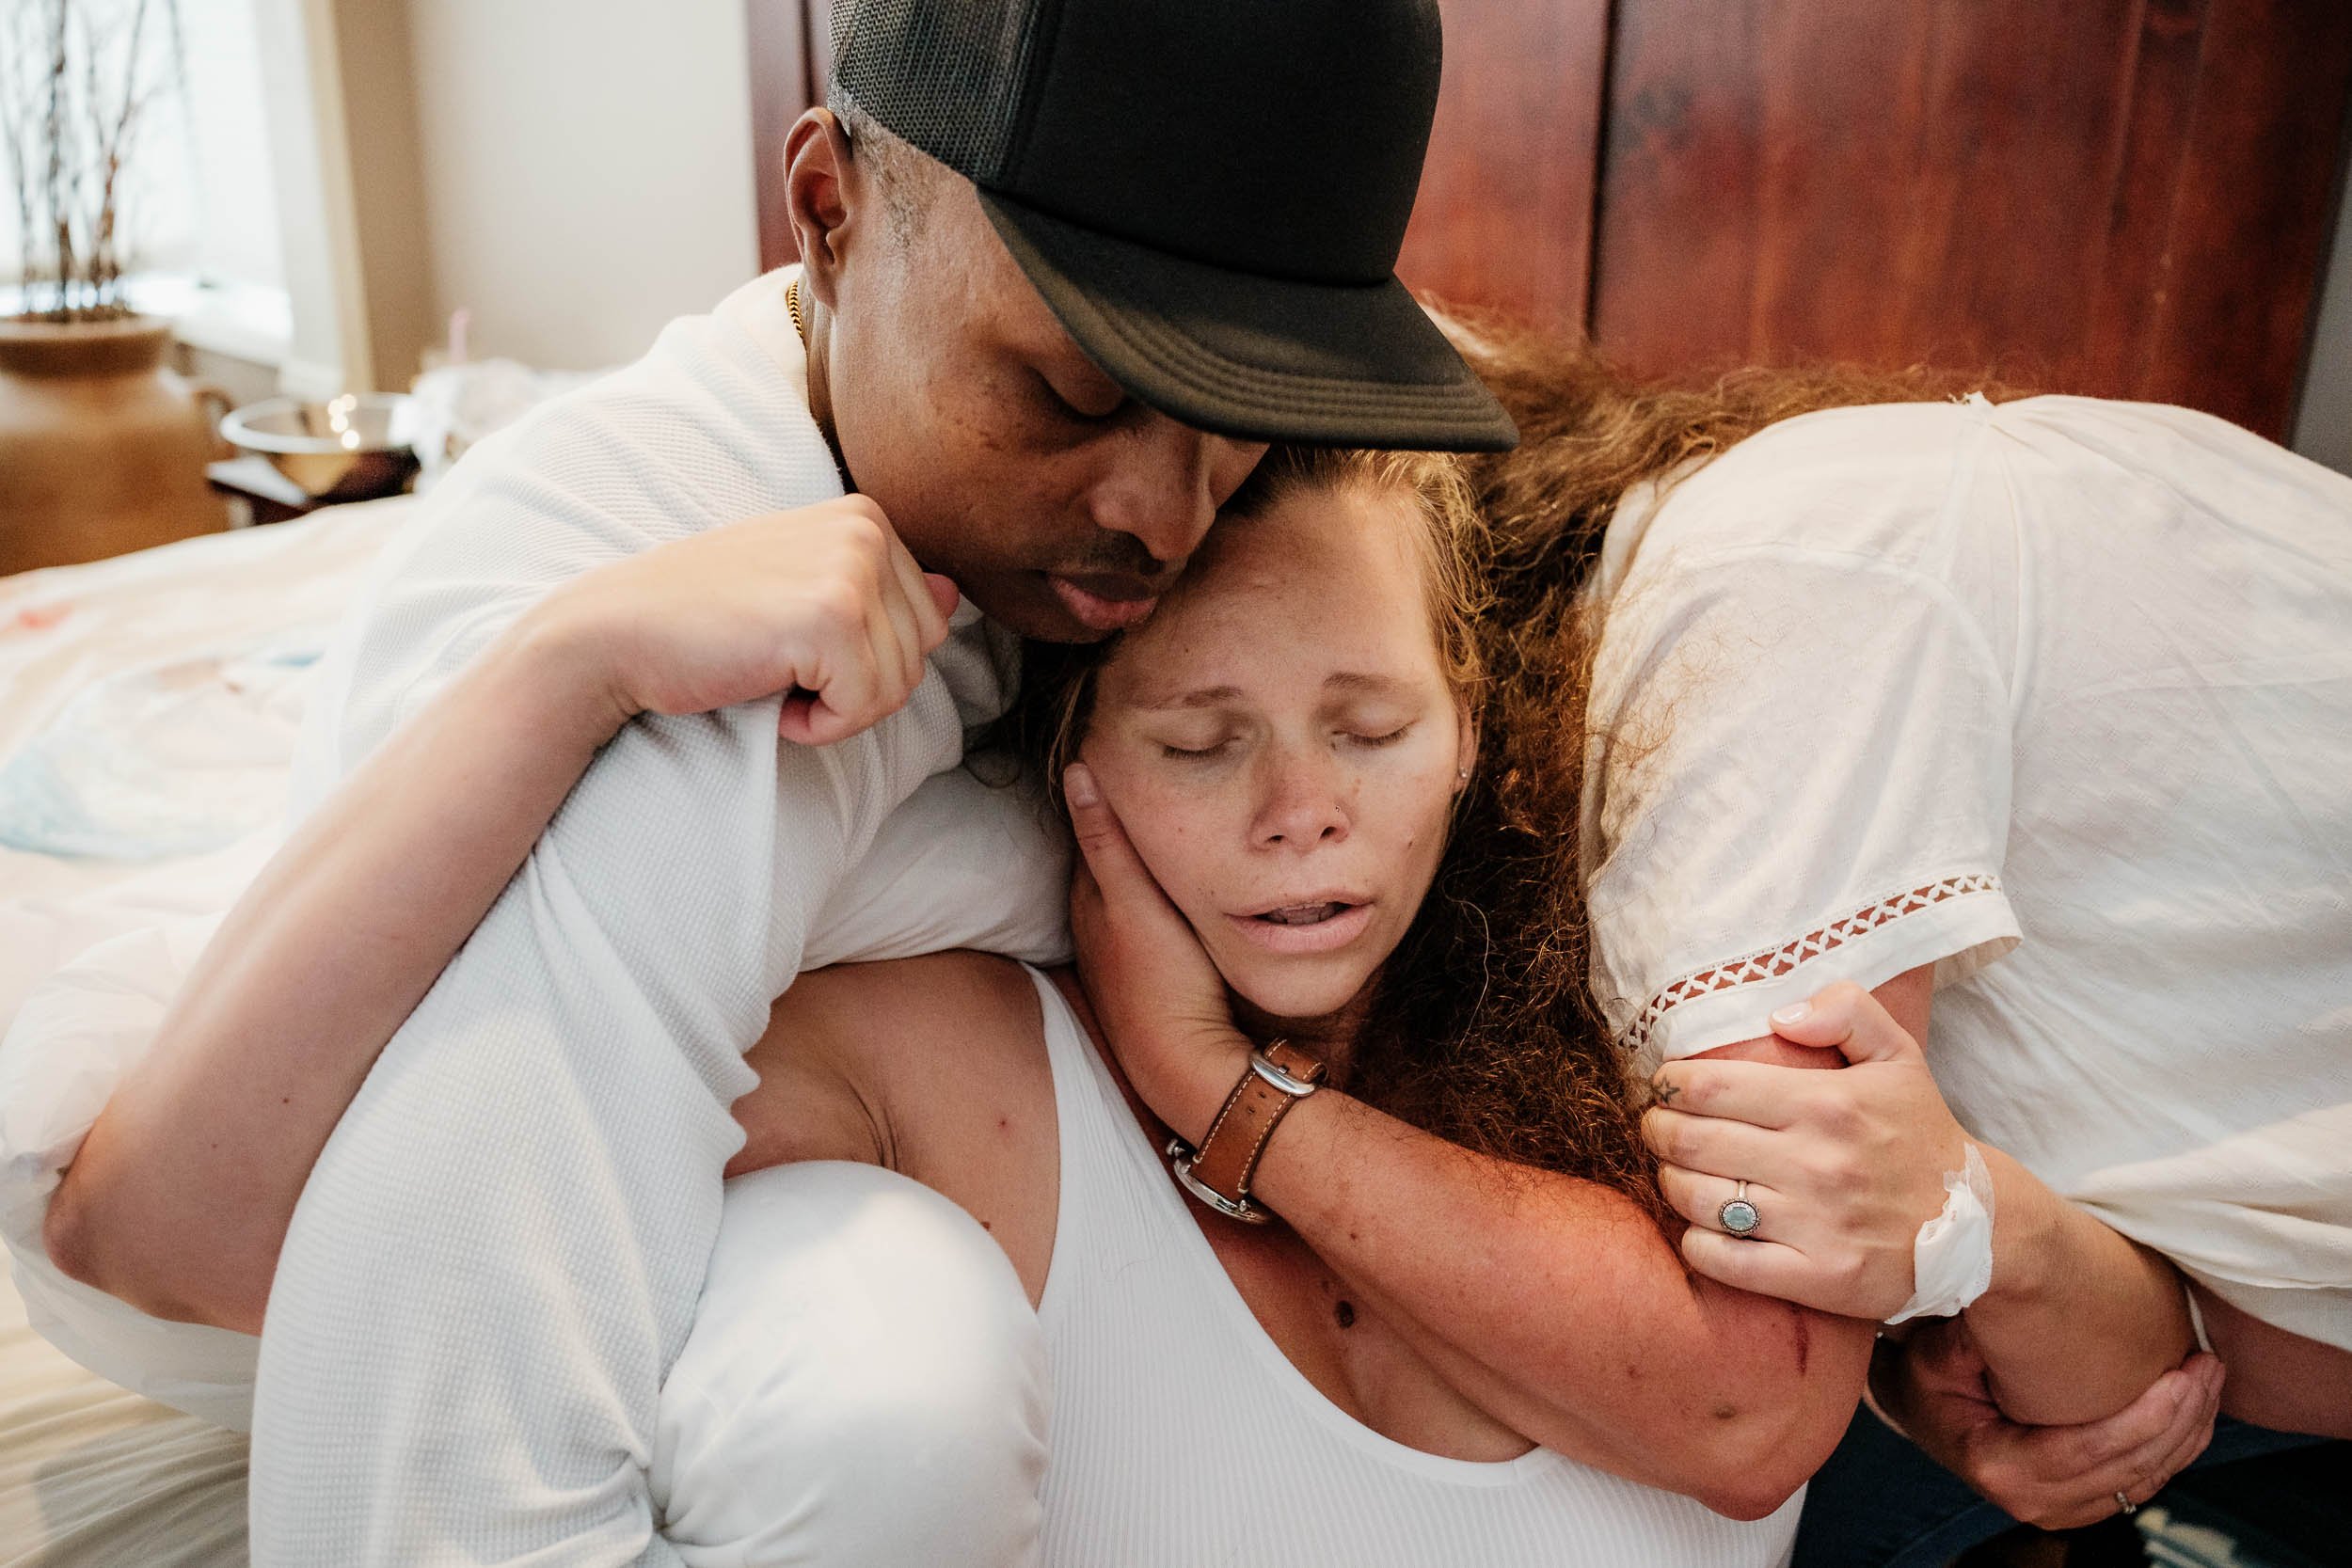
1118,1201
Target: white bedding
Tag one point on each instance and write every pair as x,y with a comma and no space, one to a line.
90,1474
94,1477
68,628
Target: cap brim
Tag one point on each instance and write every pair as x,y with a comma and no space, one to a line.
1263,358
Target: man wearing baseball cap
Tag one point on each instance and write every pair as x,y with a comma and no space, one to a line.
1205,203
1068,266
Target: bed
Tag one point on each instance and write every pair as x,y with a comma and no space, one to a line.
165,686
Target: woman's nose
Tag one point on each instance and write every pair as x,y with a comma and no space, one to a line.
1304,803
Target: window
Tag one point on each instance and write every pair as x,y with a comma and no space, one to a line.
201,239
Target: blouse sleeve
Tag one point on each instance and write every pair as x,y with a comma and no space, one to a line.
1800,774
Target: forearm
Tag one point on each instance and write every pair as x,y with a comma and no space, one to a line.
180,1195
2279,1379
2078,1320
1559,1305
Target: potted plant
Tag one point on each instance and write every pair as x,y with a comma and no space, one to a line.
102,448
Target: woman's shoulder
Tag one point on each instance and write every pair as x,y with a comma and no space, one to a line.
933,1066
1872,481
909,1015
909,1042
866,1062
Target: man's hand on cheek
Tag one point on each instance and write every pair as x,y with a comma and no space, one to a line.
1159,1000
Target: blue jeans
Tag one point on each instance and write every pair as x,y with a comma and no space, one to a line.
1882,1503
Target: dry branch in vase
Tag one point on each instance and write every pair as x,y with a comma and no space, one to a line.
78,85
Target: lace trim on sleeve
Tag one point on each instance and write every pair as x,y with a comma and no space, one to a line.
1773,962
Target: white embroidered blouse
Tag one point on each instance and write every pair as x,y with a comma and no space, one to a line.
2064,684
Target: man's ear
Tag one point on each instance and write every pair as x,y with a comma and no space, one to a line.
823,190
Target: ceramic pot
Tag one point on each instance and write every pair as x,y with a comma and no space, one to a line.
101,449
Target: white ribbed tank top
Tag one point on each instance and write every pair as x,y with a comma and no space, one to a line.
1184,1439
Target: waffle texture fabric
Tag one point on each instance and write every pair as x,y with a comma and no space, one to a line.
498,1255
864,1386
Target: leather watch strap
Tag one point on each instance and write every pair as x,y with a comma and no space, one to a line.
1228,1156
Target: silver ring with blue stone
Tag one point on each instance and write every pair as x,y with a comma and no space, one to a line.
1738,1216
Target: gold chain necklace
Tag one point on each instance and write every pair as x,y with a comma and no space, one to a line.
820,407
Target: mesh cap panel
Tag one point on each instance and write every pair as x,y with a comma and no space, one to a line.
944,75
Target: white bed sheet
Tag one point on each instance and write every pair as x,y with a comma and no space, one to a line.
92,1475
66,628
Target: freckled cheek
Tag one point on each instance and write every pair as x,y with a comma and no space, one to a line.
1420,833
1182,836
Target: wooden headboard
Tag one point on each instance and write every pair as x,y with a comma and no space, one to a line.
2129,198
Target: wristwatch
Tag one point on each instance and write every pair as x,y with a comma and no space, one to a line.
1218,1172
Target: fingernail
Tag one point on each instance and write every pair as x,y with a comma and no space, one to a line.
1077,785
1796,1012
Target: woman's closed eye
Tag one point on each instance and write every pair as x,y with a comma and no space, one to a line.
1204,748
1195,754
1374,737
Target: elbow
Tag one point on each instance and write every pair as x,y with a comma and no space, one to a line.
69,1238
88,1242
1752,1482
1750,1497
1768,1430
1757,1463
1743,1462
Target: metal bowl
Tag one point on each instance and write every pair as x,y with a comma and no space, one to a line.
356,448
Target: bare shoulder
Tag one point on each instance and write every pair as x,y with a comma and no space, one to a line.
930,1043
879,1062
905,1012
945,1058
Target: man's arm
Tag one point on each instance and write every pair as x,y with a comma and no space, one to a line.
180,1199
497,1257
181,1195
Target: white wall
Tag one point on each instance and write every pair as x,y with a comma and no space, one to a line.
587,168
2323,423
325,351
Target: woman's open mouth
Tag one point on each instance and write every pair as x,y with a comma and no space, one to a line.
1318,927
